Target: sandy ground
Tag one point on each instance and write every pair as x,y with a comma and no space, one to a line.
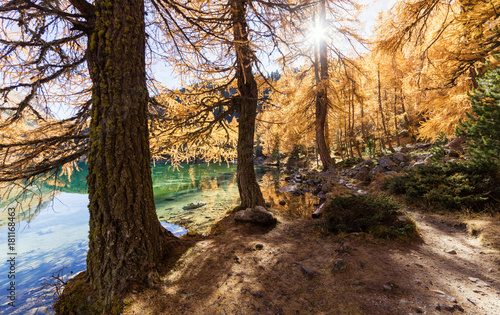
298,268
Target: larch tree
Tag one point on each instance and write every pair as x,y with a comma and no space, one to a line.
330,25
92,56
230,81
450,43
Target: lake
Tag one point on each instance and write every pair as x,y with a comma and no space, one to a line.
52,224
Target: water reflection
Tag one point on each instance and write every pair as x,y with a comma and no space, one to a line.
52,220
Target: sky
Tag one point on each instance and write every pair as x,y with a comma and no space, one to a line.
372,8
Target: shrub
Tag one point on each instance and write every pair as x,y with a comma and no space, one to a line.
349,162
452,185
375,215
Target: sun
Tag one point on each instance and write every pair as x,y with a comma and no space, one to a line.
317,33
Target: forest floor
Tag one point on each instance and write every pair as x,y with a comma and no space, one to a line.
298,268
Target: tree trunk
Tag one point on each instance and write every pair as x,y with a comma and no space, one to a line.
322,98
250,193
382,117
126,241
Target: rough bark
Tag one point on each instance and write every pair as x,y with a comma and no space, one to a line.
126,241
322,99
250,193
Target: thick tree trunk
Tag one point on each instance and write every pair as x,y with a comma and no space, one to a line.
250,193
126,241
322,98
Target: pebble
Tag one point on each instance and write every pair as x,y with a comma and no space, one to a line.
338,265
451,251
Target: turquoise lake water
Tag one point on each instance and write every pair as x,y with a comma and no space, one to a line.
54,235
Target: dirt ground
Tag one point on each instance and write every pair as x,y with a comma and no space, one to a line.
298,268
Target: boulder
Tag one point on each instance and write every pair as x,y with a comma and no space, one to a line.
401,157
388,163
377,170
258,215
363,174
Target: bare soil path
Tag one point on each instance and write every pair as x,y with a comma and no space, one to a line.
298,268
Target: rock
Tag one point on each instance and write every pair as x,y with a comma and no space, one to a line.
268,204
316,191
293,188
387,163
448,307
419,310
377,170
282,202
322,196
401,221
259,246
339,265
401,157
451,251
363,174
444,307
387,287
444,296
194,205
258,215
327,187
456,145
473,279
418,164
307,271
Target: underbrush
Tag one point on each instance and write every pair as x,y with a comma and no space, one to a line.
452,185
349,162
378,216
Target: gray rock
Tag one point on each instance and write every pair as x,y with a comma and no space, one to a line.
307,271
339,265
322,196
402,220
401,157
451,251
419,164
378,169
363,173
293,188
258,215
388,163
194,205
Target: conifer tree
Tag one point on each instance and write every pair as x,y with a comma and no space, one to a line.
483,126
